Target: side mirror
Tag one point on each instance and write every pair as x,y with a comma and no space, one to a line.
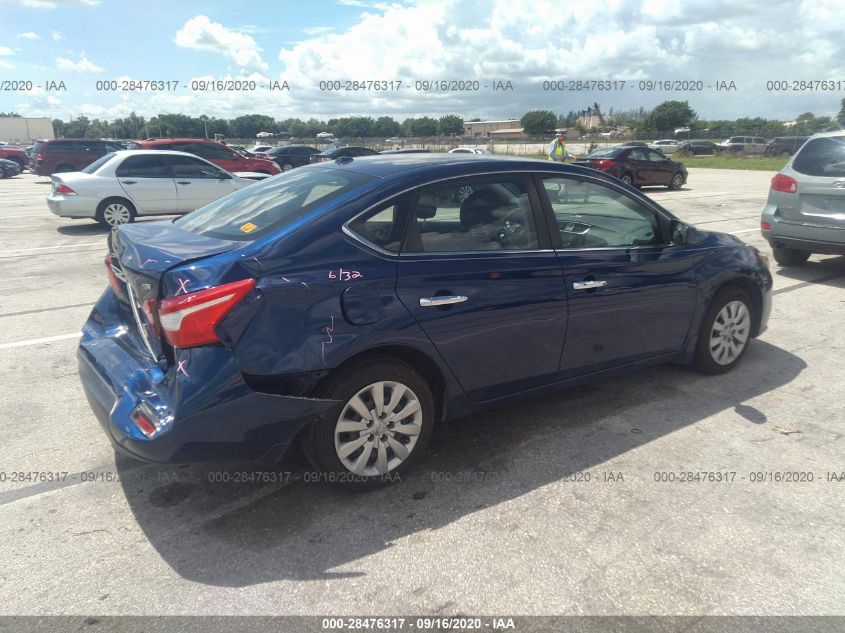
681,233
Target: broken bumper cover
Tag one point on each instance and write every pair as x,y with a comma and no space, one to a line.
205,409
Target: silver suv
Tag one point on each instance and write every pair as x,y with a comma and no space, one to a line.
744,145
805,212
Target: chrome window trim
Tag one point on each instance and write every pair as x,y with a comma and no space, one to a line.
588,177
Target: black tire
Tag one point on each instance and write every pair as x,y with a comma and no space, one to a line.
790,256
318,441
64,168
677,181
286,166
704,360
627,179
102,211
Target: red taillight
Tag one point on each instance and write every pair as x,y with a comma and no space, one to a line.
605,163
39,158
113,280
63,188
146,425
765,226
784,183
149,308
190,320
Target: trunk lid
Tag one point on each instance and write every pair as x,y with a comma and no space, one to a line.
139,255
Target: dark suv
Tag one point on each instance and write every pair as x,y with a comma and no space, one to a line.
69,154
785,145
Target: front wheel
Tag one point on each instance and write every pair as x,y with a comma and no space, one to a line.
790,256
382,424
725,332
287,167
677,181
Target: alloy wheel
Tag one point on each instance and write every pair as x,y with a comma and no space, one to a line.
729,334
287,167
378,428
677,181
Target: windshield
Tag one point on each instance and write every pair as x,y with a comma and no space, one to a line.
266,206
98,163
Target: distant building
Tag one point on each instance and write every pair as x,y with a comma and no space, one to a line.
25,130
508,128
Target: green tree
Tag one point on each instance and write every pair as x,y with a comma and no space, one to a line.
423,126
386,126
450,124
13,115
248,125
670,115
538,122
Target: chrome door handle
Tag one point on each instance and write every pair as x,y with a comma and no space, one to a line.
587,285
433,302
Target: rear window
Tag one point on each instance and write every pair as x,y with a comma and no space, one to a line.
98,163
822,157
266,206
610,152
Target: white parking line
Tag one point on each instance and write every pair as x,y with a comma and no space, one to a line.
42,248
756,228
39,341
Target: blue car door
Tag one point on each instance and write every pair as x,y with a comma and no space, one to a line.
477,272
632,293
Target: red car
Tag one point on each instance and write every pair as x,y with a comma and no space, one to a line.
212,151
15,154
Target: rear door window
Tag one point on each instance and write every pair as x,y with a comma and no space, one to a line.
143,167
61,147
473,215
271,204
822,157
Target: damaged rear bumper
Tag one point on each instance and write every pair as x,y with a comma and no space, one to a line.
205,409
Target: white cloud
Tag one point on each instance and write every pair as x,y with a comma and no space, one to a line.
315,31
52,4
200,33
5,50
84,65
55,35
6,65
29,35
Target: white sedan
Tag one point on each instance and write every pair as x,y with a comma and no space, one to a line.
666,145
122,185
469,150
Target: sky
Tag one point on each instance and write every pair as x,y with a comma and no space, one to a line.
483,43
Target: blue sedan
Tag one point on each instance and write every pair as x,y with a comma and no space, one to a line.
349,306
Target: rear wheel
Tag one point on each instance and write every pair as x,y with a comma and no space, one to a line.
725,332
379,428
287,167
677,181
790,256
113,212
627,179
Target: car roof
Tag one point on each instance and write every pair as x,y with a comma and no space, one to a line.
180,140
386,165
154,152
829,134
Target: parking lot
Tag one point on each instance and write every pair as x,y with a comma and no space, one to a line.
561,505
